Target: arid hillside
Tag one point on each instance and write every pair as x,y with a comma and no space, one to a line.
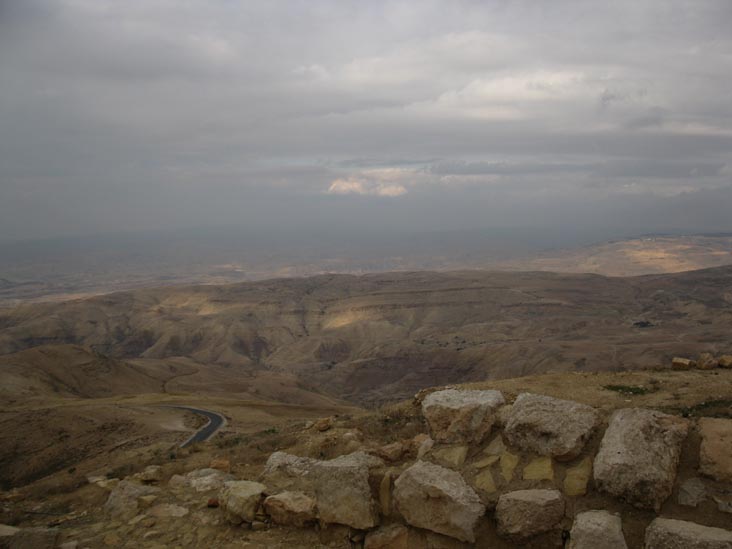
377,338
633,257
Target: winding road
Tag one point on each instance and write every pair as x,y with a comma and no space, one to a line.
215,422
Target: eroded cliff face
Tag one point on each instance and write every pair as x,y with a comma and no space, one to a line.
626,460
380,338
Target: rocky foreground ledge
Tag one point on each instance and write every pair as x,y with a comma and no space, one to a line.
537,472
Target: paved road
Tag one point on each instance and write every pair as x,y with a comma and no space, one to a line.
215,422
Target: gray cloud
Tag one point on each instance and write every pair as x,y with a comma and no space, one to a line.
155,114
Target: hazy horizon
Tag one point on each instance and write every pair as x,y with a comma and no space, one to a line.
345,118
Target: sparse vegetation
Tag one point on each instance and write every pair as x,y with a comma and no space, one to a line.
629,389
710,408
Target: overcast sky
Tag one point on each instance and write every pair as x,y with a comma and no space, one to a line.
413,115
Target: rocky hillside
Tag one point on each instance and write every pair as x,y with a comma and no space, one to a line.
380,338
625,460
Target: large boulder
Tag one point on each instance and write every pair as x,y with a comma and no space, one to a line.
123,501
240,499
461,416
291,508
340,486
438,499
550,426
639,455
715,452
597,530
680,534
526,513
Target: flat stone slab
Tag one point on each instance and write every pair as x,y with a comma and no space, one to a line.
597,530
639,455
526,513
550,426
461,416
680,534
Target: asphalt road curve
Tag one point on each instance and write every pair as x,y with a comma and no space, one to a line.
215,422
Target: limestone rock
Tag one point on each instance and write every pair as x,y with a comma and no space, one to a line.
240,499
391,452
540,468
526,513
340,486
680,534
177,482
450,456
679,363
152,473
495,447
424,446
461,416
508,462
639,455
692,492
577,477
291,508
715,453
285,471
343,492
146,501
122,503
385,494
393,536
485,462
484,482
706,362
725,361
438,499
206,480
549,426
167,510
597,530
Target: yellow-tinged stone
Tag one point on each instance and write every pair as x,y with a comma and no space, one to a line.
540,468
575,483
452,456
385,494
496,447
485,462
509,462
484,481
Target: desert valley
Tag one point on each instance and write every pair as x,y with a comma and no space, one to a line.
90,387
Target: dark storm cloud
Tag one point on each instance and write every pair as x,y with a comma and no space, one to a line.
160,114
